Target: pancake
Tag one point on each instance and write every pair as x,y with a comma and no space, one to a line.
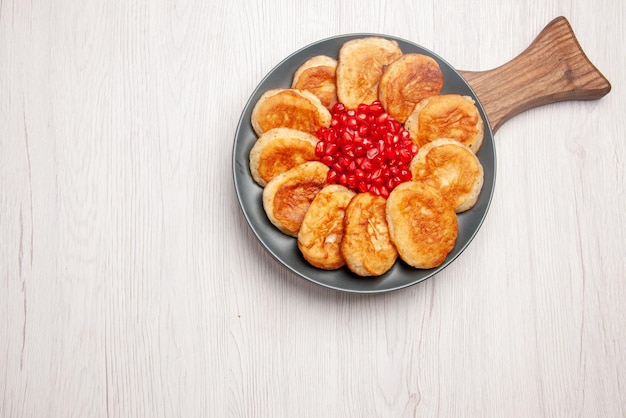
422,225
317,75
361,64
289,108
321,232
286,198
366,244
279,150
407,81
451,168
446,116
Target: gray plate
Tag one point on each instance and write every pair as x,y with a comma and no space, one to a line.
284,248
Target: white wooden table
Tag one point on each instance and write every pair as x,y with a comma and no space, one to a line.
132,286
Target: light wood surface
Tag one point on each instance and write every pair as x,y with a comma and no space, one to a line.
132,286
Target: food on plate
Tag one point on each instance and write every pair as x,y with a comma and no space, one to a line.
366,244
279,150
422,225
286,198
321,232
451,168
289,108
317,75
360,65
364,161
446,116
407,81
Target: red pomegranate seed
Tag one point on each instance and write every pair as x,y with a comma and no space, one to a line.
331,148
405,174
331,177
338,107
372,152
328,160
376,108
319,148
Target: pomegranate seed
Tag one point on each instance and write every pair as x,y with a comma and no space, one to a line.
330,148
327,159
319,148
405,155
351,181
338,107
376,107
372,152
405,175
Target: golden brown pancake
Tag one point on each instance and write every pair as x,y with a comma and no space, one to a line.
366,244
422,225
279,150
289,108
321,232
286,198
317,75
451,168
446,116
361,64
407,81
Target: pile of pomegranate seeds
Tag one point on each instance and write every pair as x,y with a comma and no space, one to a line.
366,149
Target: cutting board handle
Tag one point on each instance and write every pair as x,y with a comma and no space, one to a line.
553,68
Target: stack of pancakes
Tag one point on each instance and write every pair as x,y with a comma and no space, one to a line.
335,226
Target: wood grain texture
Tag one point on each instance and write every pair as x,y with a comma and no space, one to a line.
553,68
131,285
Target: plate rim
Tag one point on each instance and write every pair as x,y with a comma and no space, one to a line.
241,125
